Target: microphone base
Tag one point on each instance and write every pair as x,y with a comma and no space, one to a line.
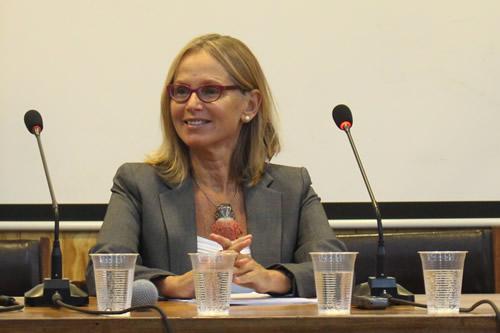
41,294
381,286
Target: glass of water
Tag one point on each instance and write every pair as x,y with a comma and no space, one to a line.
443,271
114,276
213,273
333,275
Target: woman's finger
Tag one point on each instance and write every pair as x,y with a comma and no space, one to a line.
249,279
240,240
236,245
243,266
223,241
243,256
240,245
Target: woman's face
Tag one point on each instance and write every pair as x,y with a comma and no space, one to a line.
208,126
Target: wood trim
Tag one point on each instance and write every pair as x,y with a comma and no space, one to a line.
285,318
44,257
496,257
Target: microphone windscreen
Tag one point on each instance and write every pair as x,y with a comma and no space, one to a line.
7,300
342,114
33,119
144,292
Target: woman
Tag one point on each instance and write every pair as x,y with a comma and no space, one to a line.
211,184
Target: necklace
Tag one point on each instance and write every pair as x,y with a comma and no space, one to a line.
222,210
224,224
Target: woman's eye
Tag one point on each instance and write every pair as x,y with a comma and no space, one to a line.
181,90
210,90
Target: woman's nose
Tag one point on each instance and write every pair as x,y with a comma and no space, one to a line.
193,102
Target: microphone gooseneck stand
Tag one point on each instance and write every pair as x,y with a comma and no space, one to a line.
381,291
56,257
380,285
57,291
41,294
373,294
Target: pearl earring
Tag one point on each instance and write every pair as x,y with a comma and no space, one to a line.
247,118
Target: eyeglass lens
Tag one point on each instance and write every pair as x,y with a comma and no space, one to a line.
181,93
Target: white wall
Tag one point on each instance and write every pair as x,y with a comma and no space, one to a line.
421,77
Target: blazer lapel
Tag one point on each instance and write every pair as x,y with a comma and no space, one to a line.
178,212
264,221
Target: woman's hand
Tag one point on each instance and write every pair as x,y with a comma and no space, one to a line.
177,286
251,274
229,245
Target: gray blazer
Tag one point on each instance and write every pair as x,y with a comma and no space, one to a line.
150,217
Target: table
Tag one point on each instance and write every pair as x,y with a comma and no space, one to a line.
264,318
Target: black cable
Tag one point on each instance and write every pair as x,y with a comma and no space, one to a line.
464,310
481,302
14,307
57,299
478,303
399,301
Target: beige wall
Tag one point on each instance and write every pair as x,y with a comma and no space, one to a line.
420,76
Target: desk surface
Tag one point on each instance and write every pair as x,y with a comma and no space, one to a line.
266,318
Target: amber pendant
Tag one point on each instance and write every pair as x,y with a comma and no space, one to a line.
225,224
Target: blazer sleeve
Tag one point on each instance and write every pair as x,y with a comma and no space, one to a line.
314,235
120,232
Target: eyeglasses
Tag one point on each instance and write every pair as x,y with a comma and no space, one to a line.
208,94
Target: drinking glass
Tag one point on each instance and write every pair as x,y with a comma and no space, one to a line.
213,273
333,275
114,276
443,271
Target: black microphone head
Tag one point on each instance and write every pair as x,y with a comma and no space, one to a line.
144,292
342,116
33,120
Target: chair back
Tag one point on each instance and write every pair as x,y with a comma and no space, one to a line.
24,263
402,260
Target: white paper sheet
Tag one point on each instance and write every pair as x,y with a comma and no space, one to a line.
254,298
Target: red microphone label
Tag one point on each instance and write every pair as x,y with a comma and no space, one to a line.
344,124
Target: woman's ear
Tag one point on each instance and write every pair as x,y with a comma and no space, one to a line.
253,106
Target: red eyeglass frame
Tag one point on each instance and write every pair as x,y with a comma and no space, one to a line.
222,88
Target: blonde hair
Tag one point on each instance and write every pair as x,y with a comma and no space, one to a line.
258,140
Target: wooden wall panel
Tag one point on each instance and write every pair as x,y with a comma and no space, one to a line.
74,246
496,257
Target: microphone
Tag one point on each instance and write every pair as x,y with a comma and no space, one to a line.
8,303
380,285
34,124
7,300
144,297
33,121
41,294
144,292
